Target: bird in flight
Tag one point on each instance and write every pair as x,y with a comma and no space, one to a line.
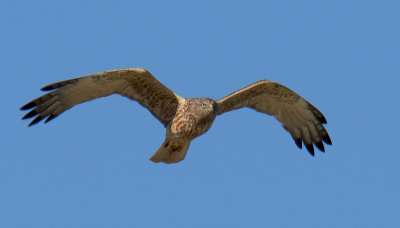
184,118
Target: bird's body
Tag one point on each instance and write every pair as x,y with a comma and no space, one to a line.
184,118
191,120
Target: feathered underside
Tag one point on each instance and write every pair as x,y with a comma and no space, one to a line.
299,117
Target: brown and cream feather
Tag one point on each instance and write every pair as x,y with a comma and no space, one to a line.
184,118
300,118
135,84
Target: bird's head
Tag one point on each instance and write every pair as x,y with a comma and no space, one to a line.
205,106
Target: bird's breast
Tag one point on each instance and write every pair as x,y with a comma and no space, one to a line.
188,125
183,124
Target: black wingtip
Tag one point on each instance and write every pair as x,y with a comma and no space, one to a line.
28,106
310,148
327,139
50,118
298,143
48,88
53,86
30,114
317,114
320,146
36,120
58,85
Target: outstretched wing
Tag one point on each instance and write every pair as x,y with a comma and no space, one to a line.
135,84
300,118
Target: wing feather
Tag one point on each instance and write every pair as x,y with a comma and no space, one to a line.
135,84
299,117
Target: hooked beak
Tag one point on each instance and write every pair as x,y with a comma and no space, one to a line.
214,107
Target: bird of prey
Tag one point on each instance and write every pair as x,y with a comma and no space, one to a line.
184,118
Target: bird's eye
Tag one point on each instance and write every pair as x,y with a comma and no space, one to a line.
203,105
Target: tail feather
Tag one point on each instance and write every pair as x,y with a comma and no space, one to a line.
170,152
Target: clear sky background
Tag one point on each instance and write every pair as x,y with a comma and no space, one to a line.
90,168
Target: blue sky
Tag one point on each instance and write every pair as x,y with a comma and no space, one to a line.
90,168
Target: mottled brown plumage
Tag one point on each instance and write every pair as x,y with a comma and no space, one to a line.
184,118
135,84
